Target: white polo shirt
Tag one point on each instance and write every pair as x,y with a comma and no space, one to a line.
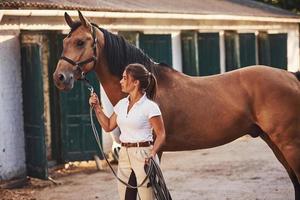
135,125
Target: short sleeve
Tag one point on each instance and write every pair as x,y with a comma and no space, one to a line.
153,110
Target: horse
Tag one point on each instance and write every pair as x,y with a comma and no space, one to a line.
198,112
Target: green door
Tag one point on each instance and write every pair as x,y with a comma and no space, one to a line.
209,53
278,50
33,110
56,134
247,49
77,139
232,59
190,64
158,47
264,57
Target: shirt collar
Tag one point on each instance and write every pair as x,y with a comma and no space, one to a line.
141,100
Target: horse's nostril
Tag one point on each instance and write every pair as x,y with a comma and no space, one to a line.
61,77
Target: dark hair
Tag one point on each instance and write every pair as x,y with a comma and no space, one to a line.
148,82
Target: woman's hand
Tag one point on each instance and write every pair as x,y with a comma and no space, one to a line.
152,155
108,124
94,101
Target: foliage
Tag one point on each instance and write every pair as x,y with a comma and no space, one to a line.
292,5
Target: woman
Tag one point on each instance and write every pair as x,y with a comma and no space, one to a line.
137,116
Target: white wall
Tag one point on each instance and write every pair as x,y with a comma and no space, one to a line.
222,52
293,59
12,145
176,51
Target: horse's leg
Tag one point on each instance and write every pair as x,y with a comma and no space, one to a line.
283,161
131,194
291,154
159,154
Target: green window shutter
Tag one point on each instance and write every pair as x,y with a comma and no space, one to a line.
189,53
278,50
264,57
158,47
55,49
129,36
33,109
232,58
247,49
209,53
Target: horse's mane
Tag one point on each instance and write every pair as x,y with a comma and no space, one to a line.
120,53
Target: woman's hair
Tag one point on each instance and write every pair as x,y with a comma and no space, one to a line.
148,82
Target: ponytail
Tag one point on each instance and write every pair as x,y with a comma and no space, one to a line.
152,87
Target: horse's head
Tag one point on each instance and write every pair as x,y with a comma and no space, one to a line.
80,51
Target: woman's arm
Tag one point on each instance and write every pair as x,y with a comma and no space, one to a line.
159,129
108,124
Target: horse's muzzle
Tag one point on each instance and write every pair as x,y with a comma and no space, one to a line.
63,81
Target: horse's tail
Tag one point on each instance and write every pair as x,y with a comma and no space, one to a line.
297,74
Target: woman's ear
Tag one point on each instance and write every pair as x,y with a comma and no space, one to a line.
136,83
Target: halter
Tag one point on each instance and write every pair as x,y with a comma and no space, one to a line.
79,65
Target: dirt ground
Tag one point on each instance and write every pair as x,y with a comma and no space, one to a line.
243,169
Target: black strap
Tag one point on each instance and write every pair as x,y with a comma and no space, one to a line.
79,65
68,60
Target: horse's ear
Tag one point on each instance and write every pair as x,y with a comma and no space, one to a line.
83,20
69,20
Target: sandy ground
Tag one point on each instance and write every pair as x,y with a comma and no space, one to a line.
243,169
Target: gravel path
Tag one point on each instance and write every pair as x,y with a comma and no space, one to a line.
244,169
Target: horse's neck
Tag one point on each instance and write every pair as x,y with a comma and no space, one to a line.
109,82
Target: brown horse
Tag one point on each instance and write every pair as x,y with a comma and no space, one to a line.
199,112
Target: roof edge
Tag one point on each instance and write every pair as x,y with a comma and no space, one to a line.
128,15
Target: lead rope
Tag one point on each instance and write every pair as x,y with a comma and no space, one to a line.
153,171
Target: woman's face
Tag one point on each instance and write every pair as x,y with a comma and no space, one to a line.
128,84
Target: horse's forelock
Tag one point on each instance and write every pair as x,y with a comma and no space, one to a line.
74,26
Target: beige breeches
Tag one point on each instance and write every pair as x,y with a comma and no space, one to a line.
133,159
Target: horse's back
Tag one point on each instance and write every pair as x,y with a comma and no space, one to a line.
268,81
261,72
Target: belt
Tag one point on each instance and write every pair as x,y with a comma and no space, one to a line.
138,144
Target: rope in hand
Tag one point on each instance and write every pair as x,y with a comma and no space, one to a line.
157,182
153,171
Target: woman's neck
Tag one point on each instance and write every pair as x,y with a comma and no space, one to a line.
134,96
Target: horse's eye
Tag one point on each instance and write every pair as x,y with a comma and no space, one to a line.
80,43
